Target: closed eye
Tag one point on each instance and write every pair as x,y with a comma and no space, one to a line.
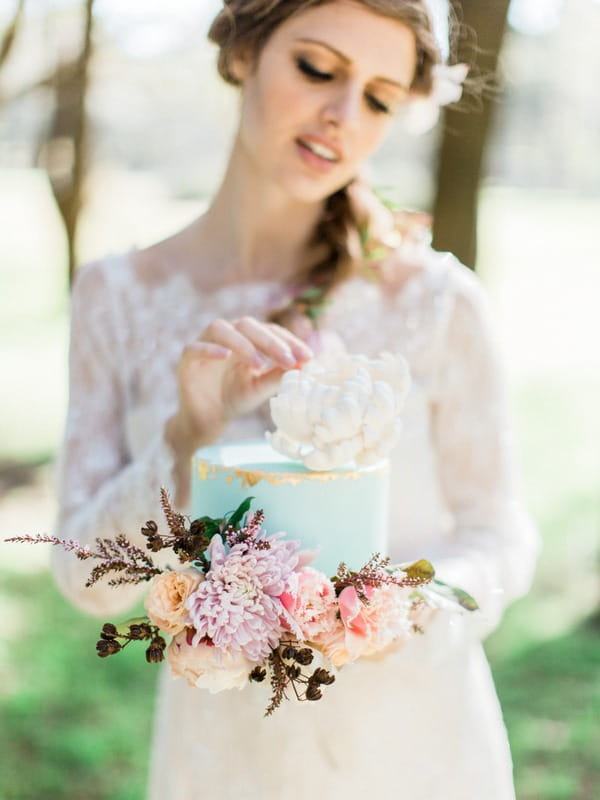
312,72
316,75
377,105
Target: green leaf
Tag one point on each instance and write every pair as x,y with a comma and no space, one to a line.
464,599
240,512
421,570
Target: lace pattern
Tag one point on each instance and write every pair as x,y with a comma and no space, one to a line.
456,500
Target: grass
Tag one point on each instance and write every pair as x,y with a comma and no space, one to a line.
77,728
64,711
551,698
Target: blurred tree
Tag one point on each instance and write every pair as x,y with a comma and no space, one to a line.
63,150
462,149
10,34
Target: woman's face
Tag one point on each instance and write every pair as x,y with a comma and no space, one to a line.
322,94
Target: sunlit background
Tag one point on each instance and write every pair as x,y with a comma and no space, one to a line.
159,125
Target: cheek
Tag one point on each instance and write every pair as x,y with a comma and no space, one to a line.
273,107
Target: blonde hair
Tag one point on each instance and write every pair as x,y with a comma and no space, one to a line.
340,236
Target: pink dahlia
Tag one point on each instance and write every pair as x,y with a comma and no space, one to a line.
238,607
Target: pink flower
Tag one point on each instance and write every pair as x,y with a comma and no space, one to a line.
314,606
368,628
239,605
205,667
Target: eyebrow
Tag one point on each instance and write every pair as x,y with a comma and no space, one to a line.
347,60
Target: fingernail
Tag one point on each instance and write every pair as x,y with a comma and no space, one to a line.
288,359
258,360
302,352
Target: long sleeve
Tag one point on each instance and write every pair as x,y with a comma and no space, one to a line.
102,491
493,545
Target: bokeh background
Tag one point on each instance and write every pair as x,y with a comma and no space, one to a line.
157,122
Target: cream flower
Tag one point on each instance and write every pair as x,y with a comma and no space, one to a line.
341,409
207,667
165,602
422,113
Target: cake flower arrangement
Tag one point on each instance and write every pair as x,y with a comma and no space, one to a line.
241,605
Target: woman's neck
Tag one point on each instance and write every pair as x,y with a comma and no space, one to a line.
253,230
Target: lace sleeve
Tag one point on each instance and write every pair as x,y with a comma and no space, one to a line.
101,491
493,545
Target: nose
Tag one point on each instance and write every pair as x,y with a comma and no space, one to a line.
342,107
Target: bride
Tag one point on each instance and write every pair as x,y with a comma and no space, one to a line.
180,345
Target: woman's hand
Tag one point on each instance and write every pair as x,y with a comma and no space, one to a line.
231,369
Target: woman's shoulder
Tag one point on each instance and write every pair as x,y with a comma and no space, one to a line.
436,277
101,276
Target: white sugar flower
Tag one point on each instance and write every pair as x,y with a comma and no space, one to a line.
340,409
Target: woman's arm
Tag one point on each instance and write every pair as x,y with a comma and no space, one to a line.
101,491
493,546
228,371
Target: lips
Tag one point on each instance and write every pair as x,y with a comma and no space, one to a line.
320,148
318,152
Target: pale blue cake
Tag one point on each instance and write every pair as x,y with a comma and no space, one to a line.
343,513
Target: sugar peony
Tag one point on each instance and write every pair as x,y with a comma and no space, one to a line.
340,409
169,592
205,666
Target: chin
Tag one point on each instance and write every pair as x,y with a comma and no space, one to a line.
313,190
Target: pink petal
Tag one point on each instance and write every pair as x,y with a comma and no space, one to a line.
351,611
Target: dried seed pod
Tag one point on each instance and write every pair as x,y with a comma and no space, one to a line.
321,675
109,631
107,647
304,656
258,674
313,692
154,543
154,654
292,671
137,632
150,528
289,652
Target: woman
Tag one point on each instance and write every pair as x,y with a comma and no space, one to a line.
177,346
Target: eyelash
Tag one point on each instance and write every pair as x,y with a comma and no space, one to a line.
316,75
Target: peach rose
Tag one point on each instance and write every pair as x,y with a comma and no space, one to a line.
205,666
165,602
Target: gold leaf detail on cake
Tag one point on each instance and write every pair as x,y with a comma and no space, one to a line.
206,470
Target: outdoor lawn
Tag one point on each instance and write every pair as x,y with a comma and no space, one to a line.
75,727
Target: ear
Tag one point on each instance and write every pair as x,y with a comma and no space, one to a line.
240,65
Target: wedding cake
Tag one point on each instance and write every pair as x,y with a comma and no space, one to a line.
322,476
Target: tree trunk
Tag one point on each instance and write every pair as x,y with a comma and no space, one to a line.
63,152
462,150
10,34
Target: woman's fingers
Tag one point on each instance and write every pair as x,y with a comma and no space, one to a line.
253,342
206,350
299,348
224,333
266,341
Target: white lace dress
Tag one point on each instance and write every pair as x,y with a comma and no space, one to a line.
421,724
